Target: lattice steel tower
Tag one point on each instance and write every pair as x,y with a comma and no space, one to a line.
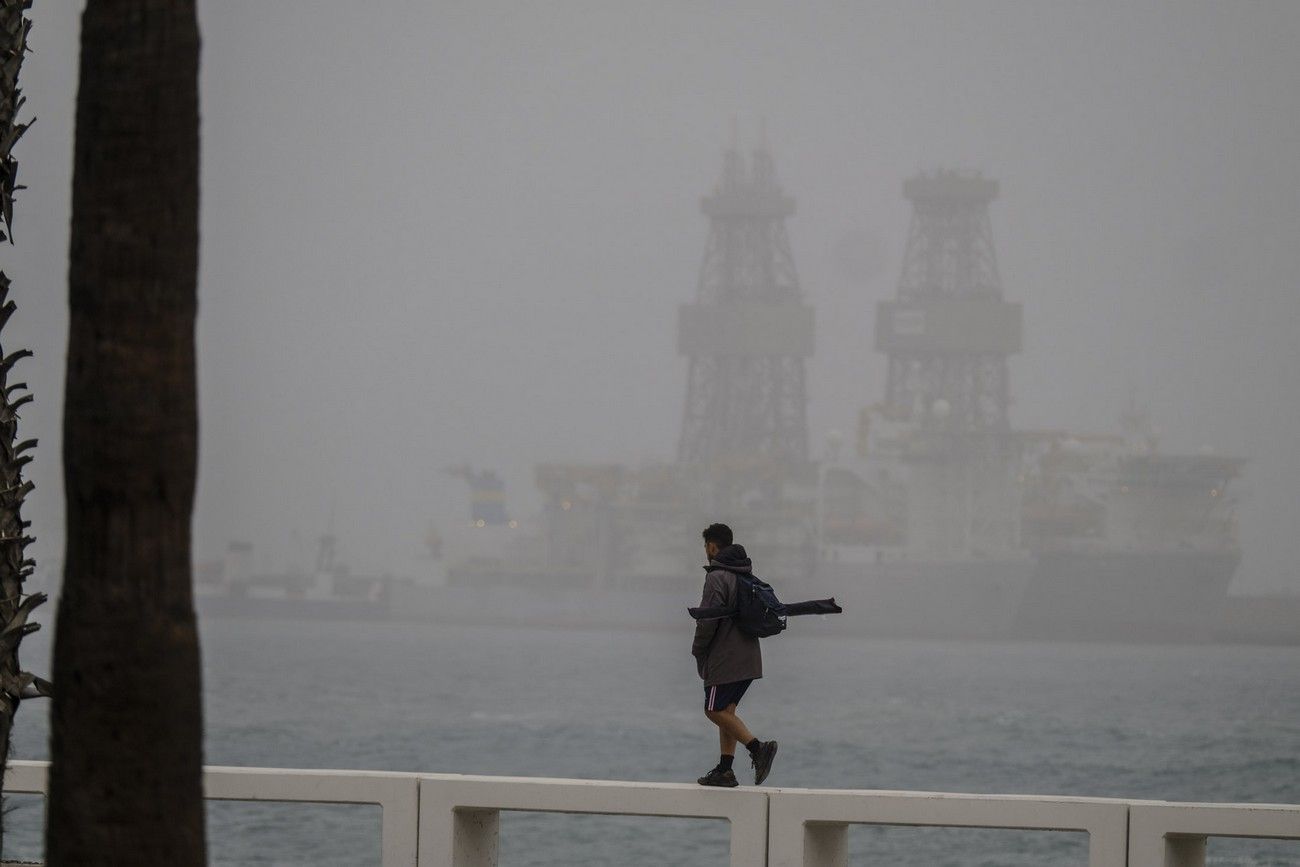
949,333
748,332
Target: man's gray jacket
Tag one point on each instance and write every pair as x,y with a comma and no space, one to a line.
724,654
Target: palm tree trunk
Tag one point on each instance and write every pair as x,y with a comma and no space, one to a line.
15,606
126,726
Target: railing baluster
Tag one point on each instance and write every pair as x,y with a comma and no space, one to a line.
1182,850
476,836
825,844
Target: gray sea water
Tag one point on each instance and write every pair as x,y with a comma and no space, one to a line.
1185,723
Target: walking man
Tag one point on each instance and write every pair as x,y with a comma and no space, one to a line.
728,661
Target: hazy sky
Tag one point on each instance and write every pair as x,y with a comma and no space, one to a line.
459,232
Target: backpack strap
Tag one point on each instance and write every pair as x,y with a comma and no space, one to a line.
716,612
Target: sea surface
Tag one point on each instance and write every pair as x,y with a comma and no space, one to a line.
1198,723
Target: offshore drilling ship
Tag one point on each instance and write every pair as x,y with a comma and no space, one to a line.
944,521
1043,534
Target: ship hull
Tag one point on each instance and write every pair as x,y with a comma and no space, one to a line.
900,598
499,604
943,599
290,608
1071,596
1128,595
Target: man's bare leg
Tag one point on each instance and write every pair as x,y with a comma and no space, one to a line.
731,729
726,743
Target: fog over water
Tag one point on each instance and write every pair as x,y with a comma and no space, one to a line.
437,233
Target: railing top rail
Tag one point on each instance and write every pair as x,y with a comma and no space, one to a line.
586,783
1212,806
310,772
25,767
958,796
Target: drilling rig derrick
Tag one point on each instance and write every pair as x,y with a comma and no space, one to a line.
748,332
948,335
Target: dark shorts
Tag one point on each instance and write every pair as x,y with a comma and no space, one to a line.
723,694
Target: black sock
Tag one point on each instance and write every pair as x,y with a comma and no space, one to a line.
753,745
725,763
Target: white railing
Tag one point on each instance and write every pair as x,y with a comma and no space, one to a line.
396,794
810,827
459,815
450,820
1174,835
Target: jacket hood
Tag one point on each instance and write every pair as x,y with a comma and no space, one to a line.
731,558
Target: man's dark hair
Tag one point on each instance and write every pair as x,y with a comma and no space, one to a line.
720,534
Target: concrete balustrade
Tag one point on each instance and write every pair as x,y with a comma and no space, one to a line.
459,814
1174,835
28,778
451,820
396,794
810,827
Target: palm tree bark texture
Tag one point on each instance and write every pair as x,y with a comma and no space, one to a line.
16,606
126,727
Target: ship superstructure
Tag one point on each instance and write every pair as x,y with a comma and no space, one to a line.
1130,542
